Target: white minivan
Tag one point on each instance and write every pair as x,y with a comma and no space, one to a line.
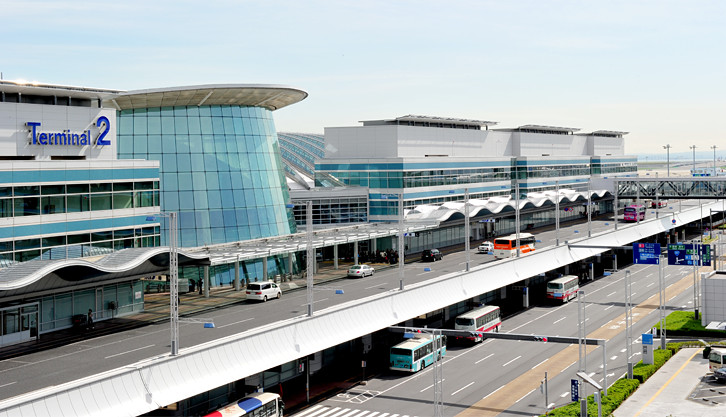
263,291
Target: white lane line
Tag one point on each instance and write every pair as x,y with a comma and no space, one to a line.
608,308
431,386
236,322
557,321
330,412
488,356
672,297
129,351
633,294
382,283
612,293
541,363
461,389
512,360
651,284
565,394
10,383
316,301
491,393
613,358
523,396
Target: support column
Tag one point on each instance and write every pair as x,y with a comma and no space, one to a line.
335,256
206,281
375,245
289,265
237,286
264,268
355,252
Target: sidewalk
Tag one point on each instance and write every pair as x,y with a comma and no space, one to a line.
156,309
677,389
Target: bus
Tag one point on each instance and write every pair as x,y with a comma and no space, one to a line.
563,288
634,212
259,404
506,247
482,319
716,358
418,352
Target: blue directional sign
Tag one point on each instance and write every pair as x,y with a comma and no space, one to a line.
646,253
574,390
647,338
688,254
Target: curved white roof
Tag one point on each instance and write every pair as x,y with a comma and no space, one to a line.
271,96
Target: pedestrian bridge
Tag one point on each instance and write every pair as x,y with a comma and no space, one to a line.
147,385
693,187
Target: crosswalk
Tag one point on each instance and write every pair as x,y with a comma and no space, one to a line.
325,411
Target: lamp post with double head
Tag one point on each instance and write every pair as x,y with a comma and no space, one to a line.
173,278
668,158
694,159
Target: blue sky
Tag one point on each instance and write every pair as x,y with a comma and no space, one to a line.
652,68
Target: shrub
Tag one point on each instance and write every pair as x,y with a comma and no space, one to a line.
617,393
642,372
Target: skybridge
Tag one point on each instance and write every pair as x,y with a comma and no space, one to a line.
692,187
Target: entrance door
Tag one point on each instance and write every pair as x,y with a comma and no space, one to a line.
100,311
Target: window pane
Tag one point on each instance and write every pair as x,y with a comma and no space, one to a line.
101,201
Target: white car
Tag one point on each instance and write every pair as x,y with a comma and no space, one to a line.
486,247
360,271
263,291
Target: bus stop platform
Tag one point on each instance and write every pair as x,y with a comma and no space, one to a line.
681,388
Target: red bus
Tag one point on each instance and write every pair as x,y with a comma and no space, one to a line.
634,212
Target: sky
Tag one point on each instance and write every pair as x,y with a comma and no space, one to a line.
655,69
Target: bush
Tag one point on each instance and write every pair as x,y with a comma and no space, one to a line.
641,371
617,393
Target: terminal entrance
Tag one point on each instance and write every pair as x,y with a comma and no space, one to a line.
18,324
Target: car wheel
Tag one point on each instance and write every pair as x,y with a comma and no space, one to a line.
264,299
279,295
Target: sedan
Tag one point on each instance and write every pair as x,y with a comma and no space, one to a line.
720,374
360,271
486,247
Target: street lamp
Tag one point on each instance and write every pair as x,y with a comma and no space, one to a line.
173,279
466,227
694,159
714,159
668,158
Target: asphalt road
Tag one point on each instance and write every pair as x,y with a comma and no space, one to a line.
56,366
501,377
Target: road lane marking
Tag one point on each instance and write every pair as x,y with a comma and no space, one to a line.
431,386
129,351
512,360
10,383
493,392
612,293
523,396
557,321
565,394
316,301
652,283
236,322
461,389
368,288
488,356
541,363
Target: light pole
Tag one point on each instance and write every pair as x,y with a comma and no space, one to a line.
694,159
516,222
310,255
401,245
173,279
714,159
668,158
466,227
557,213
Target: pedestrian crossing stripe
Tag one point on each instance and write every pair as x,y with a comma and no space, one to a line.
323,411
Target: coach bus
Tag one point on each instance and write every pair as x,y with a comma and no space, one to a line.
418,352
506,247
563,289
259,404
482,319
716,358
634,212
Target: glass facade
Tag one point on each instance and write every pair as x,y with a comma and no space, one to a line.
614,166
333,211
220,169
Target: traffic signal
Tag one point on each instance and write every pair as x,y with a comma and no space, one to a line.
540,338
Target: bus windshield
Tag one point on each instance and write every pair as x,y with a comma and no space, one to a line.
464,322
629,210
554,285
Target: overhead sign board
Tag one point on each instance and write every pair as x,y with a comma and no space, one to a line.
689,254
574,390
646,253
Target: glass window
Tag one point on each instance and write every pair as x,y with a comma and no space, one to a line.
123,186
144,199
6,191
6,207
101,201
102,187
55,204
123,200
27,190
27,206
53,241
77,188
99,236
53,189
77,203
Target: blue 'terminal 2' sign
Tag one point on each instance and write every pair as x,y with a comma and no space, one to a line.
646,253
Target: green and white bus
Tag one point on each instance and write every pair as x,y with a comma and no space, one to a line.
418,352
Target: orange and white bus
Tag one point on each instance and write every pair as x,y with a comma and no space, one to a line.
506,247
482,319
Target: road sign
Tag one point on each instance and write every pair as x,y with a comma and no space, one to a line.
647,338
646,253
488,221
409,234
688,254
574,390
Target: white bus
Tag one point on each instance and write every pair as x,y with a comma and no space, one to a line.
259,404
716,358
564,288
482,319
506,247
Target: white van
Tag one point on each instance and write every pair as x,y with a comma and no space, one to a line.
263,291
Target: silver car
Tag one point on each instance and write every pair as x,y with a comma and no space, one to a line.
360,271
